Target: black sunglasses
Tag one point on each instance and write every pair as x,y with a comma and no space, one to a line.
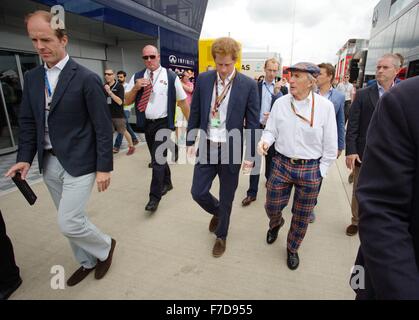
152,57
108,74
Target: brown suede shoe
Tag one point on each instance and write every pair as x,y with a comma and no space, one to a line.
103,266
352,230
213,224
219,248
248,200
78,276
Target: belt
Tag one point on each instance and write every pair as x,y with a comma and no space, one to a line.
51,151
156,120
297,161
215,144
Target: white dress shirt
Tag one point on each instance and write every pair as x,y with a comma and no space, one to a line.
157,105
52,75
294,138
219,134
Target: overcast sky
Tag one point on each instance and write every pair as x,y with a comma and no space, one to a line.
321,27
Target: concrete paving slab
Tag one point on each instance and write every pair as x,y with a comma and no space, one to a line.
167,255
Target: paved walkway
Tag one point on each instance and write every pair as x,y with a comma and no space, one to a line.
167,255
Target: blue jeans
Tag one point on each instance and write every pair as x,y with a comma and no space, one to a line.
119,137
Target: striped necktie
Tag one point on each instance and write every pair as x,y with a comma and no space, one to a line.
142,105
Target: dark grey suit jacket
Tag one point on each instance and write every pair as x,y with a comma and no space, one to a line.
388,196
360,115
79,121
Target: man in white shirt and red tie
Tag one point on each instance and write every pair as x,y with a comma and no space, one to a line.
302,127
155,91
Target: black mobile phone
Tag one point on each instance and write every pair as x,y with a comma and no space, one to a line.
24,188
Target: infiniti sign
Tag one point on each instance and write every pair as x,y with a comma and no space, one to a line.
172,59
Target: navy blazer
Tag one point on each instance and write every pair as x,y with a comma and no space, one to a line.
360,115
388,196
274,98
243,107
79,122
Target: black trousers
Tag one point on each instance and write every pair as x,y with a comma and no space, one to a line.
161,170
254,178
9,271
204,175
347,108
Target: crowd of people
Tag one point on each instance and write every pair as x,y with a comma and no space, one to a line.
299,129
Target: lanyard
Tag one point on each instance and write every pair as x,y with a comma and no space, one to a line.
219,99
267,88
114,86
311,121
48,90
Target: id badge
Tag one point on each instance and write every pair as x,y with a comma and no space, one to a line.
215,122
109,100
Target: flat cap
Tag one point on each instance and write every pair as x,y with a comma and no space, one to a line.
306,67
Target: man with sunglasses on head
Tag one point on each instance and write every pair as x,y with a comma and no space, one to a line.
122,75
114,92
346,88
155,91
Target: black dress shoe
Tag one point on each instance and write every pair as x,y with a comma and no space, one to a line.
166,189
152,205
292,260
5,293
273,233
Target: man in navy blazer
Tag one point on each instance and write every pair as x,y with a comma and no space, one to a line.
267,97
223,101
65,119
360,115
388,196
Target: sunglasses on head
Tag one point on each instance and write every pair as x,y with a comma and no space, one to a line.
151,57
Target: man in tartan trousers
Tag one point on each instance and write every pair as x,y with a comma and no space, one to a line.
302,127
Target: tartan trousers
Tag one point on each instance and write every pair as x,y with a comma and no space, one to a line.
306,179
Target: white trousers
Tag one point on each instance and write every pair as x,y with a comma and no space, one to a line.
70,195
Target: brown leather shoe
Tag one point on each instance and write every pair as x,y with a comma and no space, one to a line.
103,266
219,248
213,224
248,200
78,276
352,230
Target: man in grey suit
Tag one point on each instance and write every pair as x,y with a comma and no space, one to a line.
360,116
65,119
223,101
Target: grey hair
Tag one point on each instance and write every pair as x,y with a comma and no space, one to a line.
311,78
395,58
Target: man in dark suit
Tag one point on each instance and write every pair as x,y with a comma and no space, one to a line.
65,119
360,115
267,97
223,100
388,196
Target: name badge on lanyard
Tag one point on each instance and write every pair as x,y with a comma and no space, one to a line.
48,92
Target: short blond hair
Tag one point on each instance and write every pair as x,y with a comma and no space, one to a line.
226,46
273,61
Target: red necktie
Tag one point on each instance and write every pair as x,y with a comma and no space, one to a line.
142,105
